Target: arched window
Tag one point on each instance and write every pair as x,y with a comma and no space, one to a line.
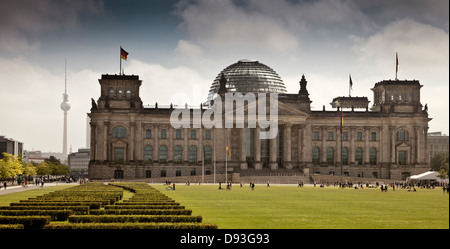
111,91
128,92
358,156
315,155
148,154
208,154
162,154
402,135
119,131
330,156
344,156
192,154
119,92
148,174
373,156
178,154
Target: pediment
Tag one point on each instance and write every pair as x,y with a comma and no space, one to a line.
403,145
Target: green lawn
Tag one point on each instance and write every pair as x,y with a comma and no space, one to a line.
308,207
15,197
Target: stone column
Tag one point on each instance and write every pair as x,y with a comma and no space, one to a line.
323,147
243,156
156,143
393,152
287,148
366,151
106,145
273,154
257,164
351,153
131,141
93,141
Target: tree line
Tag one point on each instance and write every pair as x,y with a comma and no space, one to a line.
12,166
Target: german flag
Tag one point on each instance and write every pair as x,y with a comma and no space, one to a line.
229,152
123,54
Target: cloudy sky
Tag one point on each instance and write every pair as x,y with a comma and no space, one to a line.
178,47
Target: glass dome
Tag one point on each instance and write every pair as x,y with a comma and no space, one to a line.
249,76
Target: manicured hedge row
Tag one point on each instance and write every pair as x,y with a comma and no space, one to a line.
75,209
29,222
13,226
141,212
130,226
133,218
91,205
148,203
144,207
56,215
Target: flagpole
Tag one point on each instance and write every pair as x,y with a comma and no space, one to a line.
203,166
342,136
120,57
226,166
396,65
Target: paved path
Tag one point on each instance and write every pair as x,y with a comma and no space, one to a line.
19,188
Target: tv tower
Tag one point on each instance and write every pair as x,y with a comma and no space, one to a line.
65,106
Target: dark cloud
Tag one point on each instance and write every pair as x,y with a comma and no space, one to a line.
22,20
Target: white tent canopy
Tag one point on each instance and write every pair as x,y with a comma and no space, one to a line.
429,175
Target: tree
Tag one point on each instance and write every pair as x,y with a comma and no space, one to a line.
43,169
438,160
10,166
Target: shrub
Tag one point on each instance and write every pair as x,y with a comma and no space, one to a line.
133,218
75,209
142,212
12,226
56,215
144,207
130,226
29,222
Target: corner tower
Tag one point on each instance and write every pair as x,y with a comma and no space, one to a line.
119,92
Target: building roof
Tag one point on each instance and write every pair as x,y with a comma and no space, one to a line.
248,76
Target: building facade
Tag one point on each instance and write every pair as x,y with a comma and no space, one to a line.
386,141
437,143
78,162
10,146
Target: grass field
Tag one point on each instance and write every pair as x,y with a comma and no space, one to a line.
290,207
8,198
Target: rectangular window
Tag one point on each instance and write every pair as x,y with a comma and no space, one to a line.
330,136
208,134
359,136
345,136
163,133
178,134
374,136
148,133
316,136
193,134
119,153
402,157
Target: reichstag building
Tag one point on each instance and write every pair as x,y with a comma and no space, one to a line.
386,140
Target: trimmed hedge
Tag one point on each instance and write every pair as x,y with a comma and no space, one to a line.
75,209
13,226
141,212
56,215
134,218
144,207
92,205
28,222
130,226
